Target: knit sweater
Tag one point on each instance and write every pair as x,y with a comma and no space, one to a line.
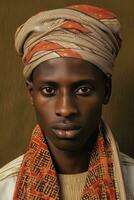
72,185
9,174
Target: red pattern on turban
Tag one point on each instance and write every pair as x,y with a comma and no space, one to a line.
80,31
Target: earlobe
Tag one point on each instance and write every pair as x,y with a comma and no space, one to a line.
108,89
29,86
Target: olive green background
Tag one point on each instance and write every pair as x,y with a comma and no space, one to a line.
16,113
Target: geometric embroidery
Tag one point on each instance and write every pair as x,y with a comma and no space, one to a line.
38,180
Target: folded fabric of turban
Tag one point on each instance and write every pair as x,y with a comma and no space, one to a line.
79,31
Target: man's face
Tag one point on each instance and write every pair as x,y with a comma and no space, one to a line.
68,94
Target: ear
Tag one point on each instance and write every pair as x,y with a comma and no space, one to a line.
108,89
29,86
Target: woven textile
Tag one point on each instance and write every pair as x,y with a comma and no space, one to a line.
38,180
80,31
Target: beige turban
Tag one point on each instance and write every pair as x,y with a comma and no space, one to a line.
80,31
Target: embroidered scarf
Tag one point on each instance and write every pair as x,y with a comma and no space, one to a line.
37,179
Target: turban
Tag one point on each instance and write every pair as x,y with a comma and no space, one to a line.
79,31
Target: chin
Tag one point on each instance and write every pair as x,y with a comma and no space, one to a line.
69,145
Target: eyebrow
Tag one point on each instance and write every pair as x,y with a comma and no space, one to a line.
53,83
84,82
74,84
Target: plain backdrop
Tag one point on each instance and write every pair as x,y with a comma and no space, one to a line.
16,113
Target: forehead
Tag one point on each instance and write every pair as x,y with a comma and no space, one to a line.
67,68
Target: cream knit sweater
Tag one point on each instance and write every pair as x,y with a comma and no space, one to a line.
72,185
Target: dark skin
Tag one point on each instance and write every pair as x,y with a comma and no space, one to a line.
68,95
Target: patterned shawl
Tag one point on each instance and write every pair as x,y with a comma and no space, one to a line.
80,31
37,179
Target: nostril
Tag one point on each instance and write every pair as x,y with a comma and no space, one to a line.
66,106
66,110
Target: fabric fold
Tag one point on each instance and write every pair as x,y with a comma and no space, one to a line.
38,179
80,31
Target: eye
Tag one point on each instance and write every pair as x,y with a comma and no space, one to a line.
84,91
48,91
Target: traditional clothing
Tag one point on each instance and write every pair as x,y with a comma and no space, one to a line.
110,174
81,31
38,178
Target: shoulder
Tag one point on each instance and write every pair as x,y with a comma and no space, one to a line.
126,160
11,168
127,164
8,177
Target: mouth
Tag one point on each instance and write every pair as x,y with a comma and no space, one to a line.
67,132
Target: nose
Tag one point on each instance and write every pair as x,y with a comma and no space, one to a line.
66,106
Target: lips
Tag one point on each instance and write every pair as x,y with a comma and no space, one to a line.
67,131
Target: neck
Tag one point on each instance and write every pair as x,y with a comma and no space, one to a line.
72,162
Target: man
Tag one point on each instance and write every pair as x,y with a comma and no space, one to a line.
68,56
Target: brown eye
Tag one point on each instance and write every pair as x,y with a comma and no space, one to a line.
49,91
83,91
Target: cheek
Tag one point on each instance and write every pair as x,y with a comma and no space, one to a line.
91,108
43,119
43,109
91,103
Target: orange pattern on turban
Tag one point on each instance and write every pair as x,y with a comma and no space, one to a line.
83,32
80,31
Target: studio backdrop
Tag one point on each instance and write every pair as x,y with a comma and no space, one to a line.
17,117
